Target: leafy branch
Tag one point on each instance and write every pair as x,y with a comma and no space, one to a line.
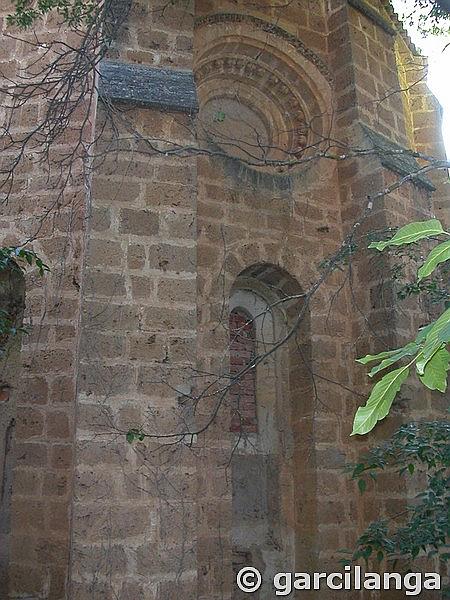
73,12
428,351
429,16
414,448
16,259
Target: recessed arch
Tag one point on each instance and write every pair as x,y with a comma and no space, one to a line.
273,477
263,96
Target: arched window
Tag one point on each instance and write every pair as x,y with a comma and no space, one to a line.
272,476
243,394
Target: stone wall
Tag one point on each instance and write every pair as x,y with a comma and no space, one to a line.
151,249
49,209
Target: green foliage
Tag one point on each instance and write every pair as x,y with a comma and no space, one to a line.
134,435
435,292
422,448
380,401
13,257
389,358
436,257
8,328
413,232
396,262
434,341
341,259
18,259
73,12
434,375
435,286
220,116
428,351
433,18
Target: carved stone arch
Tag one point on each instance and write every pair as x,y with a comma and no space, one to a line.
273,468
263,96
270,33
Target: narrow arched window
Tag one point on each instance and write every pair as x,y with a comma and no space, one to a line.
243,393
273,463
253,398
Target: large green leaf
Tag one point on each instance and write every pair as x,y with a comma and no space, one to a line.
408,350
435,373
423,332
434,341
444,334
413,232
437,256
380,401
372,357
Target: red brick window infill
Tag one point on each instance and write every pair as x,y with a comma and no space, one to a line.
243,393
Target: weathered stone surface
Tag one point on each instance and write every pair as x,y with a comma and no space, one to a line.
166,89
130,329
396,158
373,15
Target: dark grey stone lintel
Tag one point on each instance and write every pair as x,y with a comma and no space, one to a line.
151,87
373,15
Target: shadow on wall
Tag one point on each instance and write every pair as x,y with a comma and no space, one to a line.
12,302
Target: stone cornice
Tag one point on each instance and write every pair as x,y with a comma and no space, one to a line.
151,87
373,15
396,158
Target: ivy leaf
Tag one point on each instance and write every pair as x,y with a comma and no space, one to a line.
435,372
408,350
362,486
413,232
220,116
437,256
135,434
379,402
358,469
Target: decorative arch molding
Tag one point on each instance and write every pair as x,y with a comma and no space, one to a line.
278,288
271,29
260,101
287,112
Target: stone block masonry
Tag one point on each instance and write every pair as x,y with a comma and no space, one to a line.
152,249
